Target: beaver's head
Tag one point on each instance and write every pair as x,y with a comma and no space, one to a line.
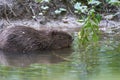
60,39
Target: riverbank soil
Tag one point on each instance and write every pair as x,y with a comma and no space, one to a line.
56,14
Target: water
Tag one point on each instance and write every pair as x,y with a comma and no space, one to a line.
25,60
95,62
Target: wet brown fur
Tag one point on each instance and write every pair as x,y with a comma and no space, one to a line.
25,39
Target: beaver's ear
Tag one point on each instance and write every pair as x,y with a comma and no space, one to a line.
53,32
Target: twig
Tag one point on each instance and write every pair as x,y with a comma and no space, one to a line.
12,10
7,19
66,59
5,3
33,12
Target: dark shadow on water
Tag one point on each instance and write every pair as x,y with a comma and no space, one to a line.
26,59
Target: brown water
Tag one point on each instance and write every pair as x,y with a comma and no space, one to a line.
26,59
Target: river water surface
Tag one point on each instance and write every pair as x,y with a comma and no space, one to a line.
95,62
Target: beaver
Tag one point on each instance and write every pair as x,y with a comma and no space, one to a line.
25,39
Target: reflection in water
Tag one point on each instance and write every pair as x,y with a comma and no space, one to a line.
98,65
3,59
108,68
43,57
92,63
98,62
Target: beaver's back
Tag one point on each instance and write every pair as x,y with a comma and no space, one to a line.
21,38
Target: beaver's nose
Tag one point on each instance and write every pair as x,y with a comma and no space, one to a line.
72,39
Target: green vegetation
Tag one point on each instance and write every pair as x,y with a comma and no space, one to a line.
114,2
90,29
91,19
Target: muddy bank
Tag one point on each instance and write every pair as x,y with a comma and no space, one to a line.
27,9
42,15
68,24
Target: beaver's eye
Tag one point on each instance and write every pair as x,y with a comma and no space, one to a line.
70,37
60,37
12,36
